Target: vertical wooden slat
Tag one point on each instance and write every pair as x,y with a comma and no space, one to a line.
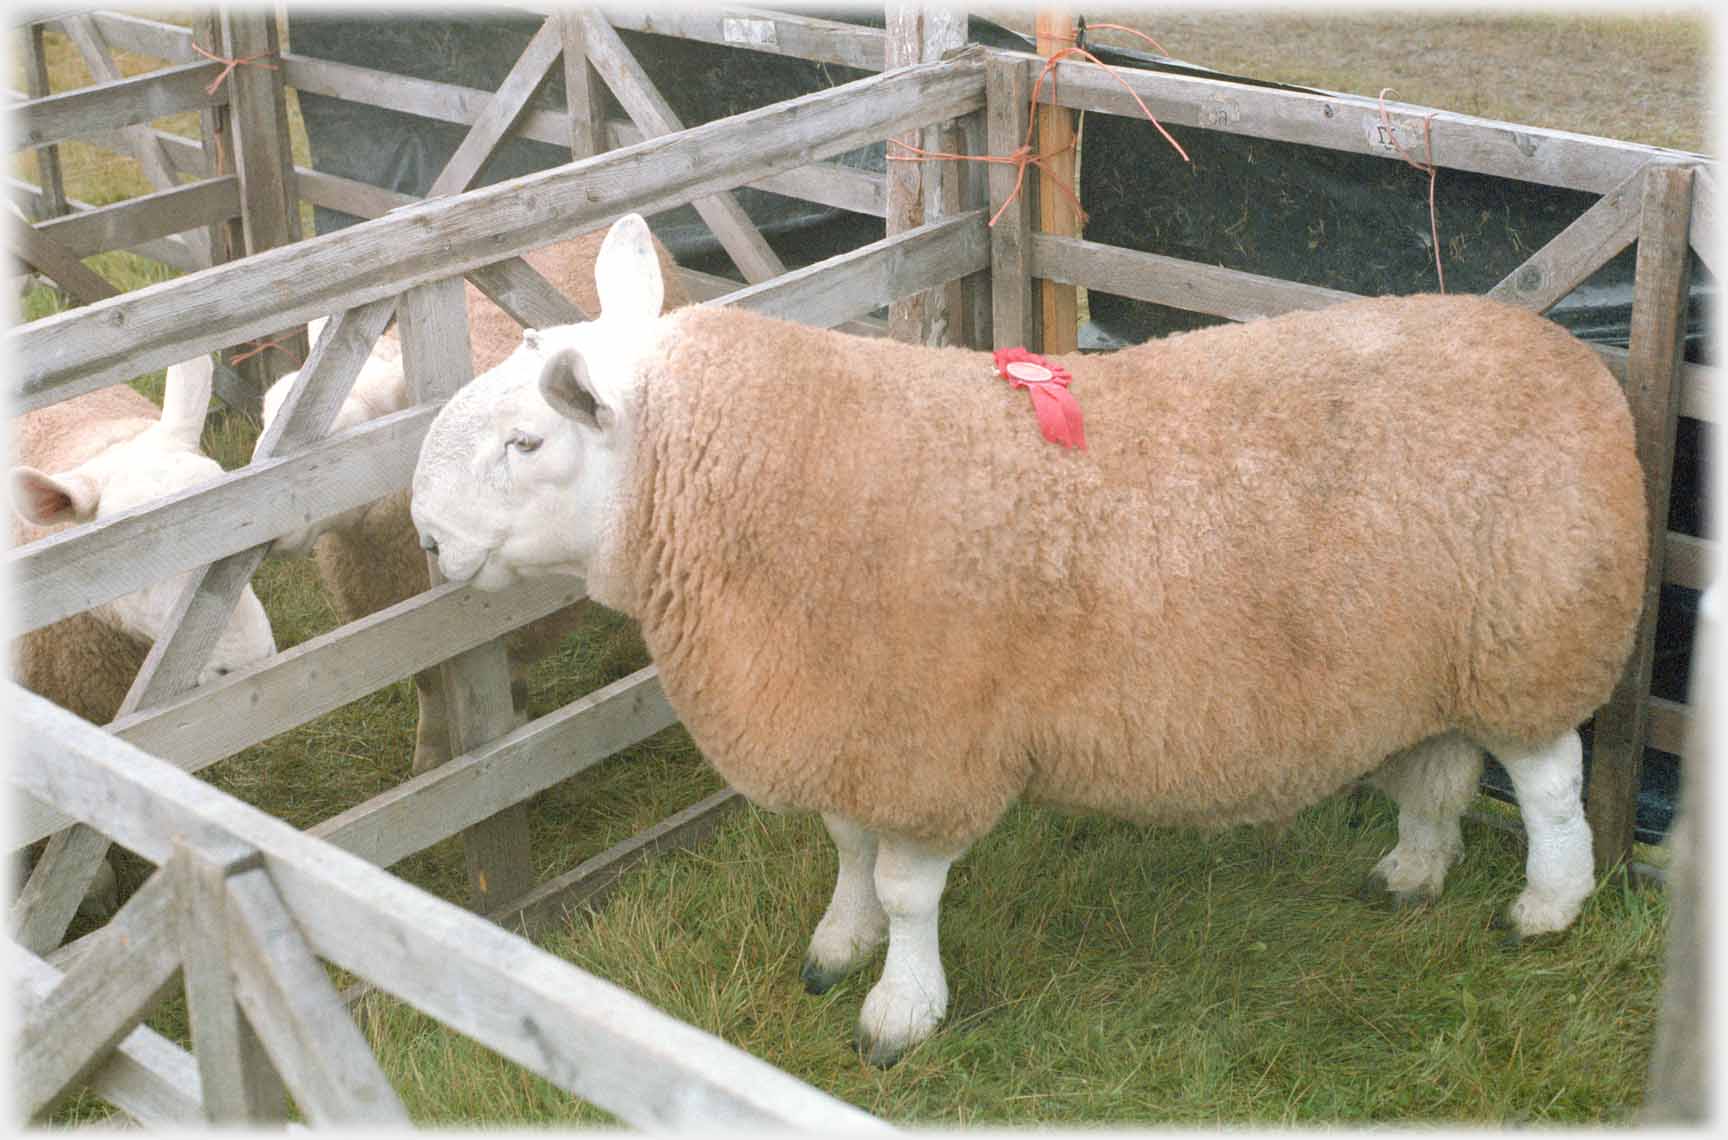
1056,214
433,328
1013,311
227,237
53,200
975,316
584,90
1654,355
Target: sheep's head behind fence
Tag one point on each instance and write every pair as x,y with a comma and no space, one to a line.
519,471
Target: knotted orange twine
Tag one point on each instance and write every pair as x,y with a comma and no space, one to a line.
1023,156
1427,168
229,65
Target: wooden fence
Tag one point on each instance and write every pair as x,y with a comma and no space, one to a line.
409,261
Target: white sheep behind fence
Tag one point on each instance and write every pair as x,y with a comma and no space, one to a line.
1374,540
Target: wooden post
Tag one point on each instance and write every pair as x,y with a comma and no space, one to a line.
584,91
920,192
1056,214
53,201
436,358
1014,313
264,163
1654,355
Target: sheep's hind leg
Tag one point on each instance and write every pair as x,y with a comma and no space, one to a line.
854,923
1559,870
1432,784
432,731
909,1000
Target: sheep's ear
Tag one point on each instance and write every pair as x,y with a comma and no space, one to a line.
566,385
627,272
44,500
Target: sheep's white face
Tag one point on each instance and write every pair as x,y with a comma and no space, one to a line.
520,470
132,474
378,390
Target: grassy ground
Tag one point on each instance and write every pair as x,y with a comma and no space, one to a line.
1101,973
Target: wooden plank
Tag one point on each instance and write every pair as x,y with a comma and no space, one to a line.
1013,313
758,29
583,1034
588,883
319,675
148,1077
240,1084
1059,304
850,284
584,92
1172,281
1691,562
708,287
73,570
101,1000
288,999
1576,252
1668,727
116,103
501,111
140,139
1352,123
532,301
825,183
63,355
48,256
732,227
1653,357
169,251
345,194
135,221
475,785
975,328
1705,230
47,157
141,36
50,898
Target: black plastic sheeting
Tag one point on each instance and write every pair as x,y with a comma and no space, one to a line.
1345,221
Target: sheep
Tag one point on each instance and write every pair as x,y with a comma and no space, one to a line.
369,558
1375,540
93,457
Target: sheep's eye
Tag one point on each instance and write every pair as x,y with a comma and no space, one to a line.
429,545
523,441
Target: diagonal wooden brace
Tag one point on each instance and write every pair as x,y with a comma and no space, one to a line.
1577,251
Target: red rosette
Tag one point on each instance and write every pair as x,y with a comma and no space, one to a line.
1058,412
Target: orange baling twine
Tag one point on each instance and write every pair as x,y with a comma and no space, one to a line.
260,346
229,65
1427,168
1023,156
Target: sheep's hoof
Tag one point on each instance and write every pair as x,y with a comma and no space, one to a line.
1511,939
819,979
1376,893
881,1053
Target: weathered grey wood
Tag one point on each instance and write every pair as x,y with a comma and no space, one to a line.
501,111
1691,562
532,301
117,103
48,256
81,350
140,139
588,883
47,157
170,251
1699,383
1172,281
103,998
142,36
1668,724
319,675
584,93
288,999
758,29
148,1077
71,571
135,221
1576,252
241,1085
732,227
50,898
347,195
975,326
1353,123
1705,228
709,287
585,1035
434,805
1653,356
1013,314
433,328
847,285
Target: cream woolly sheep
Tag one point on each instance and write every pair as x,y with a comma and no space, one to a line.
1376,540
369,558
93,457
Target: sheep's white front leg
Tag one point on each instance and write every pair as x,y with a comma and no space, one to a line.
1559,872
907,1003
854,923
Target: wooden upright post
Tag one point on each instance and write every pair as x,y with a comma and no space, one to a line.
52,204
1652,389
1056,214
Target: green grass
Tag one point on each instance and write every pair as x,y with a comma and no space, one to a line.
1101,973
